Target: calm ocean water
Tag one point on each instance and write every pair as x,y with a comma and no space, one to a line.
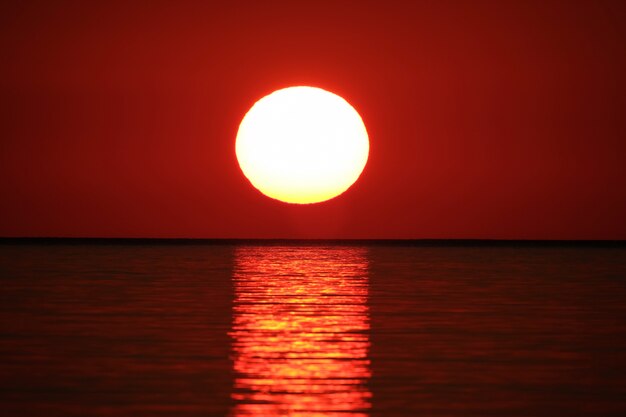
312,331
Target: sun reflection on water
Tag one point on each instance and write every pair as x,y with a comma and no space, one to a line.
301,332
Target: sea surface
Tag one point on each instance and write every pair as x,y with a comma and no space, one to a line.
312,330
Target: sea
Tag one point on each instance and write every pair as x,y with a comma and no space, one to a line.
312,329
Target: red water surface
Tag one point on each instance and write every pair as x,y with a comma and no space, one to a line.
311,330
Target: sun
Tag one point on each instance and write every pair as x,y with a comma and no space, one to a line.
302,145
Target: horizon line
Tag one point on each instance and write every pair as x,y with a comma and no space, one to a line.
311,241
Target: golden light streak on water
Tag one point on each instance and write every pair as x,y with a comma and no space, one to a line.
300,333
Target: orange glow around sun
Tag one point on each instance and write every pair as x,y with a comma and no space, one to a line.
302,145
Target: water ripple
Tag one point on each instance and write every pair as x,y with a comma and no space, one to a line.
300,334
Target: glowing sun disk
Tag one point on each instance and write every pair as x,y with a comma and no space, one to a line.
302,145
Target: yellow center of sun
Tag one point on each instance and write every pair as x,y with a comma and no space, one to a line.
302,145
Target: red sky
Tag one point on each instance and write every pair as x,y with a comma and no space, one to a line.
486,119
